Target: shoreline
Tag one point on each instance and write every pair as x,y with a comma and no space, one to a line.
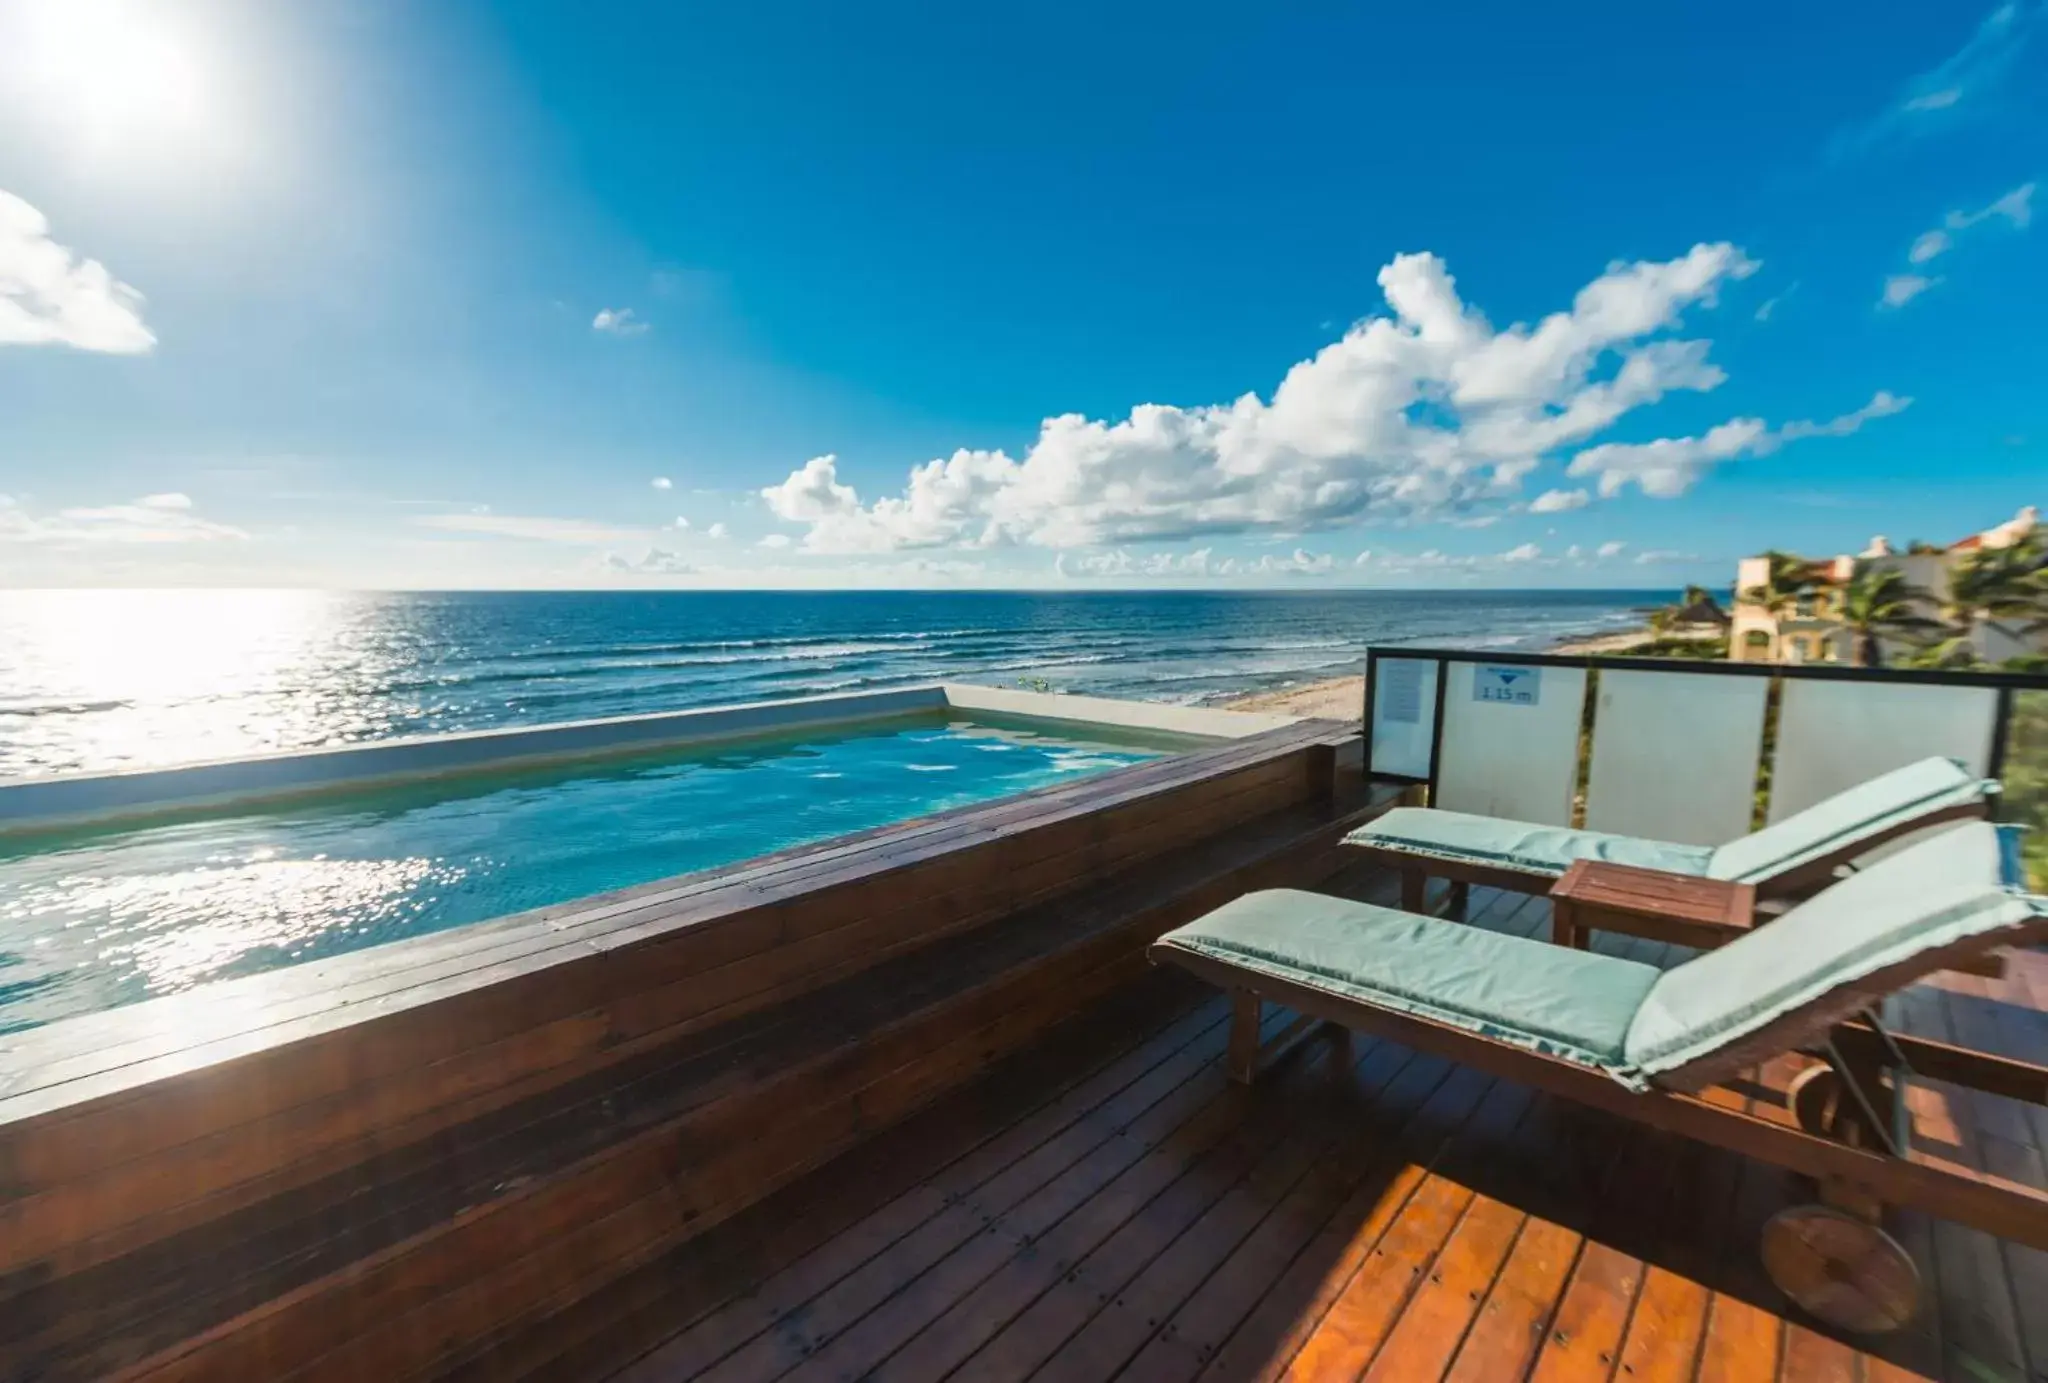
1343,698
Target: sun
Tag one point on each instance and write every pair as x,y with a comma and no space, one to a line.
118,68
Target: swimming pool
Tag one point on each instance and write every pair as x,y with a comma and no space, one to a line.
95,919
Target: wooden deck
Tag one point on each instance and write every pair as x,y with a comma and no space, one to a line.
1104,1205
379,1165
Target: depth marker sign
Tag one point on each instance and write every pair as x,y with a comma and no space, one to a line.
1507,685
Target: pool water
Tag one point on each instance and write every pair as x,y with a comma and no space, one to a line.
95,920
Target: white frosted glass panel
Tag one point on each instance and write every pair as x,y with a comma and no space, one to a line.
1834,735
1511,741
1403,715
1675,755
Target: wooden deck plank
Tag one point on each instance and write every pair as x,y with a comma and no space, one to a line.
1437,1225
744,1274
1514,1319
1196,1038
1433,1328
985,1221
1023,1313
949,1341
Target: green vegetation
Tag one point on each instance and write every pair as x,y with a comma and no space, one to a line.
1881,603
1789,581
2026,779
1673,646
2007,586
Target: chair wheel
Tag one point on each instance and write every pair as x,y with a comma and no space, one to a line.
1840,1269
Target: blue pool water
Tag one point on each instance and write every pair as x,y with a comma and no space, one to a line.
93,921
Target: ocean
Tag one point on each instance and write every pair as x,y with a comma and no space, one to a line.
93,680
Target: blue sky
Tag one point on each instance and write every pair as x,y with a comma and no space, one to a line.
381,294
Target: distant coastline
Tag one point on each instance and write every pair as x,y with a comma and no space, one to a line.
1343,698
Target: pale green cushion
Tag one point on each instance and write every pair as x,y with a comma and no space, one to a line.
1868,809
1460,838
1576,1005
1948,887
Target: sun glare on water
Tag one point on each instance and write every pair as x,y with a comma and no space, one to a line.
161,677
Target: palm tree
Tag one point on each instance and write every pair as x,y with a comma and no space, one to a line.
1788,579
1880,601
2004,584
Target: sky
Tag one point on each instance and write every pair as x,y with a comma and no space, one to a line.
368,294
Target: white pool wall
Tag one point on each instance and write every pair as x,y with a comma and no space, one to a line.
82,799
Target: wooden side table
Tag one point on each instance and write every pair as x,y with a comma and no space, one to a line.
1595,896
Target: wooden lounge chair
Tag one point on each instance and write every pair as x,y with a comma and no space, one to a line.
1646,1044
1787,860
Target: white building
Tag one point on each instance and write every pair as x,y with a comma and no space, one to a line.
1812,631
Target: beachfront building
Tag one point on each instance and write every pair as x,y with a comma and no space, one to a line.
1802,618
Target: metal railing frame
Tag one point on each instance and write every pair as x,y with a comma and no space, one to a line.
2004,683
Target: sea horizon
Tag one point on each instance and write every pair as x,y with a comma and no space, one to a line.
96,679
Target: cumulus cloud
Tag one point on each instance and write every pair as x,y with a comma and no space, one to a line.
1559,501
2015,209
1527,552
1669,466
161,518
529,527
716,531
1422,412
617,321
1609,550
50,296
662,482
778,540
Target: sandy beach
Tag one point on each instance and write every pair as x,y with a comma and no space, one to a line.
1343,698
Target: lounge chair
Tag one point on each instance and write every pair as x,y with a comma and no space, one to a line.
1786,860
1644,1043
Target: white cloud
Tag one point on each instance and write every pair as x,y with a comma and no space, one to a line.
1657,557
617,321
162,518
654,562
1527,552
662,482
1900,289
1929,245
1609,550
1937,99
1669,466
1559,501
1201,562
1769,305
49,296
1362,559
778,540
716,531
1416,414
2015,208
529,528
682,525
